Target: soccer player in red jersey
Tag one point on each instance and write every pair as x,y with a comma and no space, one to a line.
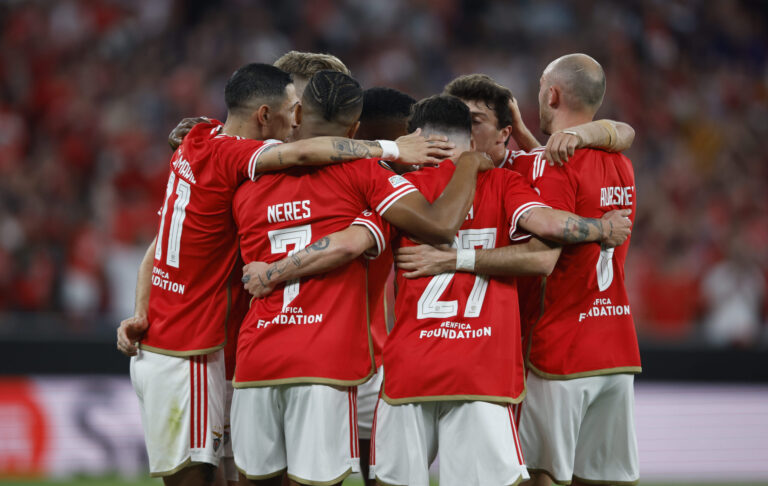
432,361
303,349
581,342
384,116
179,373
576,424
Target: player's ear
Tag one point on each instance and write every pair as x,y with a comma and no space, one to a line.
553,92
298,114
262,115
352,130
504,134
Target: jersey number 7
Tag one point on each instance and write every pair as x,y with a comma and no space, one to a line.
279,240
429,305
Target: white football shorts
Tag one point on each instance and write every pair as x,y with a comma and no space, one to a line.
182,408
367,396
477,442
310,430
582,428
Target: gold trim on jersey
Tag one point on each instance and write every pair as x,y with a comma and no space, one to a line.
600,481
451,398
301,480
187,462
517,481
571,376
585,374
541,470
182,354
301,380
258,477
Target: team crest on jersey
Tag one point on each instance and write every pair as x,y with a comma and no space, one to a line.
217,436
397,180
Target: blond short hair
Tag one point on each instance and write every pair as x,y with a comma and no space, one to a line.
306,64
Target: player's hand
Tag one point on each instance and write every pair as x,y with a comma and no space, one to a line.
255,279
517,118
616,227
131,331
183,128
425,260
560,147
415,149
483,160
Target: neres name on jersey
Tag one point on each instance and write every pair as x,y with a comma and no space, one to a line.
616,195
289,211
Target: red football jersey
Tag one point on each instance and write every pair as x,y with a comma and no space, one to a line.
311,330
578,321
196,251
380,284
457,335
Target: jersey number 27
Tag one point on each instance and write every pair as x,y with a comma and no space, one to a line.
430,305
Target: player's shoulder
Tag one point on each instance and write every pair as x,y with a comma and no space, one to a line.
428,176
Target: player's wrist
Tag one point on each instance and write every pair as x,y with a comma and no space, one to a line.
389,150
579,134
465,260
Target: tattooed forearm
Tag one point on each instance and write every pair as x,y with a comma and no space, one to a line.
579,230
280,267
346,149
320,244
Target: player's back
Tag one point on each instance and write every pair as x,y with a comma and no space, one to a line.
584,324
313,328
457,335
196,244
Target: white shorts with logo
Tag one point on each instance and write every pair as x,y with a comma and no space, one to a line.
582,428
477,441
310,430
367,397
182,408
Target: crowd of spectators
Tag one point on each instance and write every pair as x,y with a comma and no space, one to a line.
89,90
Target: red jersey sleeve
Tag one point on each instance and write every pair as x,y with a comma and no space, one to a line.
384,187
379,228
241,159
519,197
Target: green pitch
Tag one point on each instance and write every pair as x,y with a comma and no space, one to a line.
112,481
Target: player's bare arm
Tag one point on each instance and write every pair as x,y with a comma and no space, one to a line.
568,228
182,129
520,133
410,149
608,135
132,329
535,257
327,253
438,222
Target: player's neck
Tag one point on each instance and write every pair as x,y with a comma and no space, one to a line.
569,119
310,128
237,127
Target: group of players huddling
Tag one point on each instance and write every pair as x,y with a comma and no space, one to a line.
510,310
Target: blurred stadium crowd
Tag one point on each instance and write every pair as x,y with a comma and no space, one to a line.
90,89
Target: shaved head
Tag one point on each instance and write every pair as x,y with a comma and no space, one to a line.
581,80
